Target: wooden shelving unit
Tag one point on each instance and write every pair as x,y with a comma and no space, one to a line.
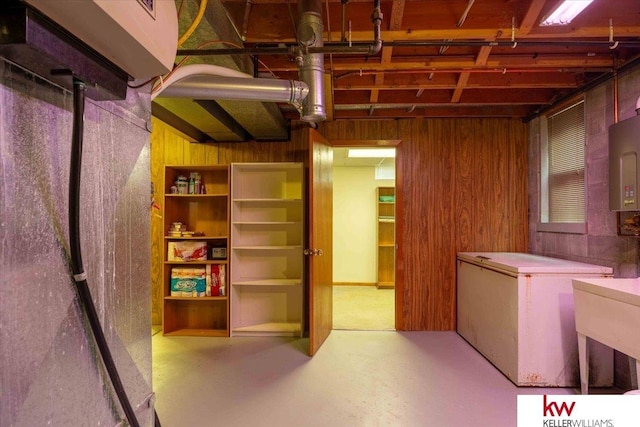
208,214
386,253
267,236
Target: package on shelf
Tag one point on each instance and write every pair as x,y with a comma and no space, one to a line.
216,280
188,282
187,251
218,253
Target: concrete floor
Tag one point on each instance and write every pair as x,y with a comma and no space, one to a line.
363,308
357,378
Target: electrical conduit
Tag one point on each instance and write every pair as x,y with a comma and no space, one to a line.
194,24
80,277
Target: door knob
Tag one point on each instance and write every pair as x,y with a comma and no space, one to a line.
312,252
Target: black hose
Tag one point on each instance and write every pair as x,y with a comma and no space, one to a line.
84,294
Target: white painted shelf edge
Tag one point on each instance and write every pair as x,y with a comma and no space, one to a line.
270,200
267,222
279,248
268,282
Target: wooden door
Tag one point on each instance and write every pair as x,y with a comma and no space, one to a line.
320,245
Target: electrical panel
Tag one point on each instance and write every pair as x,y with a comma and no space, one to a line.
624,149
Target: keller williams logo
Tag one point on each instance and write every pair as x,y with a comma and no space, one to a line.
551,409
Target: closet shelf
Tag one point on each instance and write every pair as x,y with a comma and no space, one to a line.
268,248
196,298
269,200
268,282
267,222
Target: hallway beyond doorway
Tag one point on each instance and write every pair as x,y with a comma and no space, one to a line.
363,308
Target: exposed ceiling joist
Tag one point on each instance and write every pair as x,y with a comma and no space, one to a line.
498,61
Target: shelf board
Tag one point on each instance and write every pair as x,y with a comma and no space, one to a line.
386,245
192,168
271,200
196,237
184,332
267,222
197,196
209,261
269,166
268,248
223,298
268,282
390,220
270,328
385,285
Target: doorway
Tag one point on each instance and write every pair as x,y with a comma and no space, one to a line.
364,238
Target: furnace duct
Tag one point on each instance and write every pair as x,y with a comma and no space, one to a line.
202,81
311,65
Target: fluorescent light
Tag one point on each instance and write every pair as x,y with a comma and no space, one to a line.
375,153
565,12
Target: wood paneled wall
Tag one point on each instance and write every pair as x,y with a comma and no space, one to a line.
462,183
462,186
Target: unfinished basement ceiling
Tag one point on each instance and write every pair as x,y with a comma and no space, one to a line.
439,58
218,120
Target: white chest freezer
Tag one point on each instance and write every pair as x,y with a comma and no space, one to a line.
517,310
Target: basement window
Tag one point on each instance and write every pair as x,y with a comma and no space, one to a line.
562,171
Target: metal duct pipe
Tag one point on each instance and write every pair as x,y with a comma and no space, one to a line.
238,88
311,65
376,20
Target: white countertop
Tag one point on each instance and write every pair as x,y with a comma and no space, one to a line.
623,290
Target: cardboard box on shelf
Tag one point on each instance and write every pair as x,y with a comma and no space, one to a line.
187,251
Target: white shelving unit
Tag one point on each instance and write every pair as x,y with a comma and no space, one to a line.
267,237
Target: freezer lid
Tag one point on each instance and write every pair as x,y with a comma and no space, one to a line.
523,263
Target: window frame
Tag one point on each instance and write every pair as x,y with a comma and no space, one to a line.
543,223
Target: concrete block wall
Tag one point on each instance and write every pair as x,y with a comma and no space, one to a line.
601,245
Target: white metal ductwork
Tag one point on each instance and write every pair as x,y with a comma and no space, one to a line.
307,95
311,65
202,81
212,82
234,88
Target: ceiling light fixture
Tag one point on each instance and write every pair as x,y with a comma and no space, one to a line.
565,12
371,153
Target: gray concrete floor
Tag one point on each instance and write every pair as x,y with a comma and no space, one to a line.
357,378
363,308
